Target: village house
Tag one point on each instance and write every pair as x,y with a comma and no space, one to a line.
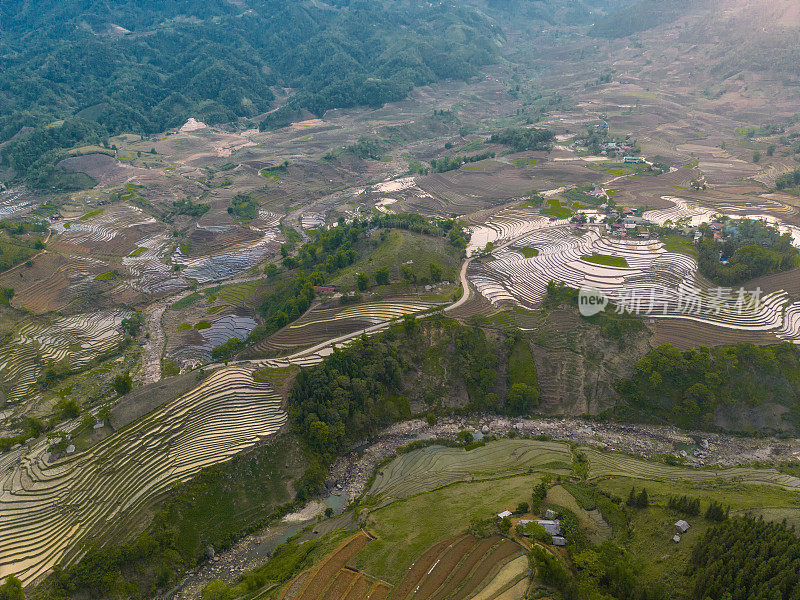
682,526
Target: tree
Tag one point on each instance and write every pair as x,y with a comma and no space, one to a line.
538,496
133,324
505,526
362,281
521,399
550,569
122,384
756,156
522,508
12,589
436,272
716,512
410,324
465,437
68,408
382,276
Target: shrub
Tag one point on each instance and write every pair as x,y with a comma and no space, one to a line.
122,384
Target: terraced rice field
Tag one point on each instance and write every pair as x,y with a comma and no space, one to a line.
227,264
149,269
11,203
334,580
456,568
48,506
311,220
77,340
506,225
219,332
433,467
321,324
619,465
656,283
685,211
509,577
436,466
52,281
682,211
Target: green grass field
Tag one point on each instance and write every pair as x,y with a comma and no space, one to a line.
679,244
185,302
435,493
406,528
398,249
605,259
529,252
238,294
556,209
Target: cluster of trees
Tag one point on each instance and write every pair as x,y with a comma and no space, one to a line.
685,505
217,61
789,180
12,589
744,558
243,207
751,248
524,138
454,230
521,379
640,16
330,250
286,303
606,571
31,428
612,324
686,387
133,324
374,381
366,148
639,500
450,163
187,206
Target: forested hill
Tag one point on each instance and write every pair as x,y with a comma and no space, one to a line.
146,65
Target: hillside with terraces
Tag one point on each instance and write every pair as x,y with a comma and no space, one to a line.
397,300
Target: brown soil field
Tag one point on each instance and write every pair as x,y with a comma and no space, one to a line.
418,570
788,281
380,591
360,588
52,282
463,191
104,169
648,190
462,571
491,564
685,335
339,586
444,567
332,565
